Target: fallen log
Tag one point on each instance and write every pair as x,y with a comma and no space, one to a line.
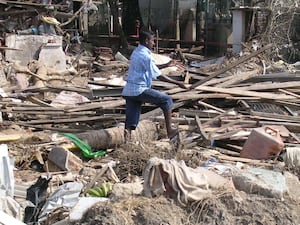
111,137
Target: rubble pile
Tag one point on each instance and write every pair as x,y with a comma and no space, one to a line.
63,155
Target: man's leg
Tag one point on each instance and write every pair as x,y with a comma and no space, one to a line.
165,102
168,117
133,111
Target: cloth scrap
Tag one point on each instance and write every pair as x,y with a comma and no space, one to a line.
179,181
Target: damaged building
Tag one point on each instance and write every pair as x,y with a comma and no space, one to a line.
215,25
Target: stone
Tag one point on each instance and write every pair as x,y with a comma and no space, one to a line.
126,190
260,181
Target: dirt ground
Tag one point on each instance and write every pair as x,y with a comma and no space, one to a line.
232,208
228,208
225,208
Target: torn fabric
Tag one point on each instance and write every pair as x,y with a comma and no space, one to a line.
179,181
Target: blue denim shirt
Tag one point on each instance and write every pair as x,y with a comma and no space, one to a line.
142,70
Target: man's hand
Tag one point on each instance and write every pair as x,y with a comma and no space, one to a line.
170,80
183,85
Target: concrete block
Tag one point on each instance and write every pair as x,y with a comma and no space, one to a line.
53,57
260,181
60,158
29,46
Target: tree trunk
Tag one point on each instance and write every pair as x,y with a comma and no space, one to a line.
111,137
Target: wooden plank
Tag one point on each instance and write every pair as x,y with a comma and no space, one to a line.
244,160
275,77
197,74
211,106
225,135
201,129
228,152
195,112
239,78
216,81
164,84
46,127
113,104
274,116
289,93
243,98
52,113
29,3
195,96
180,121
187,77
39,102
225,126
236,91
217,118
271,86
230,66
175,90
253,121
73,120
191,56
9,103
40,108
104,83
9,137
66,88
107,92
98,105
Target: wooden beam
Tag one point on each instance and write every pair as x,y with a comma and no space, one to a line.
271,86
201,129
289,93
73,120
97,105
211,106
276,116
236,91
239,78
244,160
195,96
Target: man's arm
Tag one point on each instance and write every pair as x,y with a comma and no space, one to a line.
170,80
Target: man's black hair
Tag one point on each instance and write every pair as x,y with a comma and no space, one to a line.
144,35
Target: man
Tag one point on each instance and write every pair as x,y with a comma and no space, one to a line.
137,90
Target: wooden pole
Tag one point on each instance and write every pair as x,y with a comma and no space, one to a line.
177,24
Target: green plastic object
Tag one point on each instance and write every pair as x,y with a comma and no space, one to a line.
84,147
